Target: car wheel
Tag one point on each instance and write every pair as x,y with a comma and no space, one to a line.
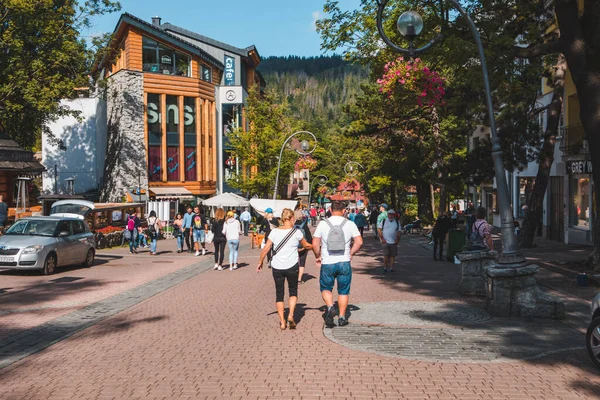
593,341
50,264
89,258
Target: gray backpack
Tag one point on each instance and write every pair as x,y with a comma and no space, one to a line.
336,242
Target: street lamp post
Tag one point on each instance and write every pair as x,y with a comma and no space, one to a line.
305,150
320,180
511,287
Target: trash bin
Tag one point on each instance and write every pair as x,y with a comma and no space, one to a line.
457,238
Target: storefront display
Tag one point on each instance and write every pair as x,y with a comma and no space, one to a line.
580,202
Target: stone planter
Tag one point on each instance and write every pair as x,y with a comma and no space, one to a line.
475,264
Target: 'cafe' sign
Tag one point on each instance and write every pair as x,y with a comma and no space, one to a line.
579,167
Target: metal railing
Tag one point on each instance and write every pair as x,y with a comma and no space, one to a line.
573,140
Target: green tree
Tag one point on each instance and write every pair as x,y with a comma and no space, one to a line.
43,59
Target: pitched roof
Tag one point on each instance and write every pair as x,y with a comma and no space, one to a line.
168,37
212,42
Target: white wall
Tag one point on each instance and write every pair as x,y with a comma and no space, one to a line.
85,143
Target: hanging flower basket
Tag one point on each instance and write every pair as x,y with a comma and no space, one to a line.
413,76
350,183
323,190
306,162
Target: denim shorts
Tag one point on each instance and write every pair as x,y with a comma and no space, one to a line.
340,271
199,236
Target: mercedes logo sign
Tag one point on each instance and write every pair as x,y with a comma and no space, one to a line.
230,95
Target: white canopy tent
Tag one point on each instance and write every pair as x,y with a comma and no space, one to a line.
260,205
226,200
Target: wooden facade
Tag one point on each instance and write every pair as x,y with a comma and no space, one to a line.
128,54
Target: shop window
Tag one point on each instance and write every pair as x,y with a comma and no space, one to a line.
206,74
189,130
579,215
164,60
154,116
172,115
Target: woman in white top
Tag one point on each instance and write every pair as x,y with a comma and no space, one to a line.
232,229
285,241
154,225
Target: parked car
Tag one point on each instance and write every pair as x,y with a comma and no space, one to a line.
593,332
46,243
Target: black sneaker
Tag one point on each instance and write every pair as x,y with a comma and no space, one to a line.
342,321
329,314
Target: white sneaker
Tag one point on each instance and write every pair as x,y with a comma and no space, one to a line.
234,266
197,253
231,267
203,251
220,268
216,266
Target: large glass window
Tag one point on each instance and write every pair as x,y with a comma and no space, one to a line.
172,139
189,129
580,202
206,74
154,137
164,60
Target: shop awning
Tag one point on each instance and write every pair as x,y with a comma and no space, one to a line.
170,192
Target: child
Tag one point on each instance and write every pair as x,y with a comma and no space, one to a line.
142,240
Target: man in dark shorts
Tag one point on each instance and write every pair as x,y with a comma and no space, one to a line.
389,234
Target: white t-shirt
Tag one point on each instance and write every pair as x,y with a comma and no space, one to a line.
322,231
390,229
287,256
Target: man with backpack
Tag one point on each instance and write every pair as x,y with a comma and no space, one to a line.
332,247
390,231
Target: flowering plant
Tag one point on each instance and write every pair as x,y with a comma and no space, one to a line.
415,77
323,190
350,183
109,229
306,162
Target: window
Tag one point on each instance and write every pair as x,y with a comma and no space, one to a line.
78,228
206,74
580,203
154,137
163,60
189,129
172,139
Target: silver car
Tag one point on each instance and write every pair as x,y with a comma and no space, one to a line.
46,243
593,332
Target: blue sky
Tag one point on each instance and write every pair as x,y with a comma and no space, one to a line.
275,27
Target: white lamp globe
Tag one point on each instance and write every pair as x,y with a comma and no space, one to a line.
410,24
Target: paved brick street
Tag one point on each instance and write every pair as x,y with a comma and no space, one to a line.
215,335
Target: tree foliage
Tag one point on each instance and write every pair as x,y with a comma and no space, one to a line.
43,59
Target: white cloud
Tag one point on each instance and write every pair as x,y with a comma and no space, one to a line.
316,15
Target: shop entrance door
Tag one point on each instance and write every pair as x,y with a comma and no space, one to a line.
557,213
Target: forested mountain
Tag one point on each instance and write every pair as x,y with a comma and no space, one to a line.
316,88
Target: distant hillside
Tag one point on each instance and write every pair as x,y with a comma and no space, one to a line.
317,88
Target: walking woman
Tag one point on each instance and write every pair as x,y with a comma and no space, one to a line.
232,230
285,241
153,231
301,224
219,240
178,231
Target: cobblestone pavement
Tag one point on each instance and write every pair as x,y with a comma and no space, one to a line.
216,336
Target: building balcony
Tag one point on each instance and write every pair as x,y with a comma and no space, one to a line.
573,140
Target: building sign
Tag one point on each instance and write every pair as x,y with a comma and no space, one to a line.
154,116
579,167
229,71
231,95
166,60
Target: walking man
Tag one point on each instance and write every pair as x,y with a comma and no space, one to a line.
439,232
333,251
389,233
245,218
188,220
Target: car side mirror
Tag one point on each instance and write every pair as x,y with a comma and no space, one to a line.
63,234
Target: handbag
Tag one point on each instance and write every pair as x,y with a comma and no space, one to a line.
209,237
127,234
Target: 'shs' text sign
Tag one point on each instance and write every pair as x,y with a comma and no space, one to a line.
579,167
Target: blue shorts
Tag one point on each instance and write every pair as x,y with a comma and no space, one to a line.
199,236
342,272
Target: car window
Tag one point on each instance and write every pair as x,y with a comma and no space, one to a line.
32,227
64,226
78,227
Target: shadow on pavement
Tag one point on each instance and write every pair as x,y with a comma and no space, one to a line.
417,272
